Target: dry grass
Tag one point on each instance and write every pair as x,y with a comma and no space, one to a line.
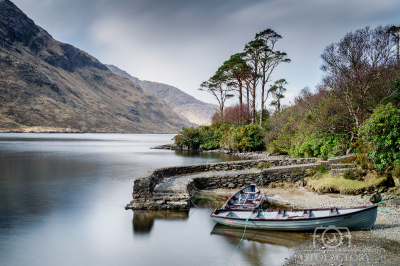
327,183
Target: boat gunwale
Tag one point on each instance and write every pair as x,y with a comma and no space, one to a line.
362,209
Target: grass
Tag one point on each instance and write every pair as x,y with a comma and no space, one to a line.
326,183
317,171
264,166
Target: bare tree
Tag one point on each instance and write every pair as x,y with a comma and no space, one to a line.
359,70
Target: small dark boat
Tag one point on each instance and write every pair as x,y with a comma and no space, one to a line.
249,197
354,218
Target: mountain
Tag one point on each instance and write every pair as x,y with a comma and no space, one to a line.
194,110
44,82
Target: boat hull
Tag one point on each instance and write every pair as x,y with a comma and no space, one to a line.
361,218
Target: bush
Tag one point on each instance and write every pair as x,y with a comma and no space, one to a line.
382,133
248,138
189,137
318,145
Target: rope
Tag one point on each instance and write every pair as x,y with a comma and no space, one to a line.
248,218
385,210
193,203
244,232
381,201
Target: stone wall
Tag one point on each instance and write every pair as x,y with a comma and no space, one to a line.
145,198
144,185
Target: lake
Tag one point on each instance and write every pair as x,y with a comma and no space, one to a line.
62,199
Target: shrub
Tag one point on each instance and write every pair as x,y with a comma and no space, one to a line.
382,133
189,137
248,138
318,145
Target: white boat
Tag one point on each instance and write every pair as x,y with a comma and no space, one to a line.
356,218
249,197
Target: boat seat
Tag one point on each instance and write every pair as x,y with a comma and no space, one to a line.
280,214
224,214
333,211
243,204
306,213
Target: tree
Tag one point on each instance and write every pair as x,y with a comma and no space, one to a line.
263,60
269,60
359,71
394,31
253,51
237,70
218,86
277,91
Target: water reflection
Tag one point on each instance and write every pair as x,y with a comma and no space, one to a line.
143,220
221,156
287,239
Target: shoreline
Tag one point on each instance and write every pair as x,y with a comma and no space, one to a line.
254,155
378,246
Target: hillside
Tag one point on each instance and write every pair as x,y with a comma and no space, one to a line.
194,110
47,83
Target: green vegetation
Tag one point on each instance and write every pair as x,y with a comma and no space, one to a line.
264,166
354,109
382,133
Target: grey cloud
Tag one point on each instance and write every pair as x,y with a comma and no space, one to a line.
183,42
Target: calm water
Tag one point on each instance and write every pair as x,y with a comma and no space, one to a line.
62,199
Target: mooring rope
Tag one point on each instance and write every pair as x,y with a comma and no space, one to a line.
244,232
193,203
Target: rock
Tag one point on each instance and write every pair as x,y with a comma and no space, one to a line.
300,183
231,185
375,198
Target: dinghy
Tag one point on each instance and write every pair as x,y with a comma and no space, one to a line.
249,197
356,218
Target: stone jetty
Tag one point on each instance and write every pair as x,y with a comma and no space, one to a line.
171,188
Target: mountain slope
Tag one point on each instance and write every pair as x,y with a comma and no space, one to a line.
47,83
194,110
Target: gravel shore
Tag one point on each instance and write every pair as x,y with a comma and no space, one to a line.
378,246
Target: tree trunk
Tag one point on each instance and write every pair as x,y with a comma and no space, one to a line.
253,106
262,104
240,104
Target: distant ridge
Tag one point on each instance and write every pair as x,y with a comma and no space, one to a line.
48,84
194,110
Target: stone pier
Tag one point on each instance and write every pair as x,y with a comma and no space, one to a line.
171,188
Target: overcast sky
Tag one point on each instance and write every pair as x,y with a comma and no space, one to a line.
183,42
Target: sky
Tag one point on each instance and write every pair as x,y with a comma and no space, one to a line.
183,42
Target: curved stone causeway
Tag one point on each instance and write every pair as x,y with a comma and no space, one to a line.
171,188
